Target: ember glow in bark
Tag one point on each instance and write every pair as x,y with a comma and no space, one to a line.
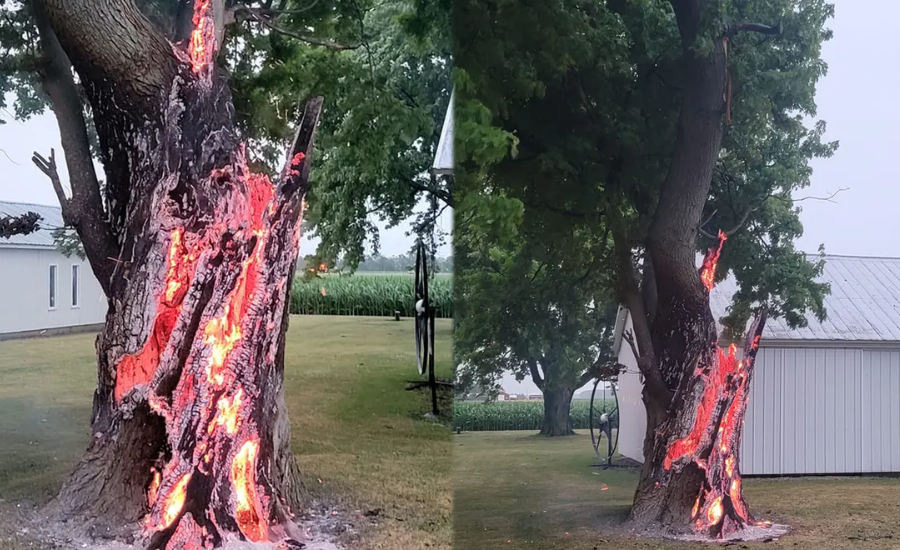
190,408
695,451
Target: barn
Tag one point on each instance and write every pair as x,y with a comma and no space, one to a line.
825,399
41,290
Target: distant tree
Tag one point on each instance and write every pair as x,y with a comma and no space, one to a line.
530,309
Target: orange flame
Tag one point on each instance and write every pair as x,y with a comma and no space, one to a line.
175,501
154,487
714,514
138,368
228,413
243,478
203,37
708,272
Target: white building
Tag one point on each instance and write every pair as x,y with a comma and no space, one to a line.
41,290
824,399
443,158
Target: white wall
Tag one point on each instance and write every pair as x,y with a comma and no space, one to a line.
812,410
632,416
25,291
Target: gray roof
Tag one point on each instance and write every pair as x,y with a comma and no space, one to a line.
443,159
51,218
864,304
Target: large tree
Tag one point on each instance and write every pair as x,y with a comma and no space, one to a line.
528,307
667,122
191,240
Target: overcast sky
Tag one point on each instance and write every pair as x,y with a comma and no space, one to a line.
21,181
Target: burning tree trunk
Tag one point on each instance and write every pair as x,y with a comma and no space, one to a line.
189,425
690,481
695,395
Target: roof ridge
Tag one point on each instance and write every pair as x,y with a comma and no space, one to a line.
855,257
30,204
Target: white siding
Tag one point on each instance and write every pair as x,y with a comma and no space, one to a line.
632,416
823,411
813,410
25,289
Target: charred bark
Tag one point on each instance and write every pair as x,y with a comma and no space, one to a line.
190,430
690,480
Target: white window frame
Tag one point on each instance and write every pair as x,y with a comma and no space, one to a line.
76,286
53,290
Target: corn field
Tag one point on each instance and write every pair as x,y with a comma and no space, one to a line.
378,295
520,415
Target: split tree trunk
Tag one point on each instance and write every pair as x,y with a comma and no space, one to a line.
190,430
690,481
557,409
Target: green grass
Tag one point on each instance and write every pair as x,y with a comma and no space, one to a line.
379,294
516,490
354,427
474,416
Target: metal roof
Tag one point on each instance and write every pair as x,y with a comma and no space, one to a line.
51,218
443,159
864,303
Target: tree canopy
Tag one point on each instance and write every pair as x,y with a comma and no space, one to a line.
572,110
383,67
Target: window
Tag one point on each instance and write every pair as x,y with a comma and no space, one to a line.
75,286
53,270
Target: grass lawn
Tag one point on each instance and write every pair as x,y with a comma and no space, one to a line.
356,432
517,490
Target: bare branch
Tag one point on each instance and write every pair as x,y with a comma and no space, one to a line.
813,198
753,27
48,167
259,16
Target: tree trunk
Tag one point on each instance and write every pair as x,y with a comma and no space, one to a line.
557,408
690,481
190,429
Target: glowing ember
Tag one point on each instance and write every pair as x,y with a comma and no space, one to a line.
714,514
243,478
175,501
136,369
203,38
708,271
154,487
228,415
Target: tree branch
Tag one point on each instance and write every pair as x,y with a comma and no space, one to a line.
48,167
535,374
112,44
84,210
630,296
752,27
259,17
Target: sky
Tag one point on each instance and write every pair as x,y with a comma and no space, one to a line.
21,181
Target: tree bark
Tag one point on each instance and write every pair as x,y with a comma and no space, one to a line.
690,481
190,430
557,408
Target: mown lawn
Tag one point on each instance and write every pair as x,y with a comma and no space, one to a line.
517,490
357,434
